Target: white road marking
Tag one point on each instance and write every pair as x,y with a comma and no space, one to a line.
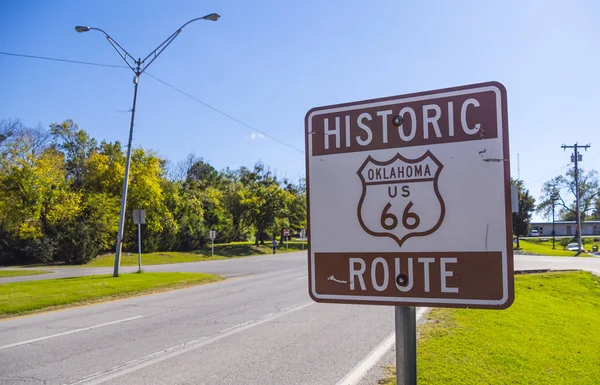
236,326
131,366
69,332
358,372
306,276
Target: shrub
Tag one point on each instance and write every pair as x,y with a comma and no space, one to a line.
565,241
39,250
78,244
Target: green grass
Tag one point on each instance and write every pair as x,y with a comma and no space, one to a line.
222,251
19,273
545,248
550,335
26,297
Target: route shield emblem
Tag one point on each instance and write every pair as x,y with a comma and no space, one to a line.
400,197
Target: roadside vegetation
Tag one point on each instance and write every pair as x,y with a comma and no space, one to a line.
222,251
19,273
548,336
543,246
60,192
26,297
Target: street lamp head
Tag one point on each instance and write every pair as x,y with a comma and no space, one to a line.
212,17
80,28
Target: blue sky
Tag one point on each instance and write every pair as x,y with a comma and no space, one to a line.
268,62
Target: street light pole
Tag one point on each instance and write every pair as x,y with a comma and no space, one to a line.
136,81
138,70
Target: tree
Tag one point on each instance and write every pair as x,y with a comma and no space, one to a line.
59,199
237,200
522,218
146,192
203,173
23,179
77,146
563,187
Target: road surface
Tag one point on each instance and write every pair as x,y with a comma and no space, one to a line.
258,327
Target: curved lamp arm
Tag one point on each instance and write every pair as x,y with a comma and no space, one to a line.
120,50
165,44
154,54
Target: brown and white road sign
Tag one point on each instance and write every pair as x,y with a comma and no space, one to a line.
411,215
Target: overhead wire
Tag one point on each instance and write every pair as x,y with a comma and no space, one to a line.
63,60
225,114
164,83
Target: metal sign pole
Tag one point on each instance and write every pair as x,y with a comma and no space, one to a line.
212,248
139,247
406,345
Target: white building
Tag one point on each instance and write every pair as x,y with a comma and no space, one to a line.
566,228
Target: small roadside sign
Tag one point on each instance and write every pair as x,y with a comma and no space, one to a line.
213,235
409,200
514,193
286,233
139,217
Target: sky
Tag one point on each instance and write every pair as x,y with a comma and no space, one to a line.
264,64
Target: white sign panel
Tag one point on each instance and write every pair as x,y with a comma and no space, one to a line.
413,211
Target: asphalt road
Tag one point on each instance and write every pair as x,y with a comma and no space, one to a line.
258,327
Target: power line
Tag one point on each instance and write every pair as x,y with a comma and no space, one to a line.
63,60
163,82
549,174
225,114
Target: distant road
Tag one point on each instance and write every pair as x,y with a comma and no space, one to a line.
229,268
258,327
264,263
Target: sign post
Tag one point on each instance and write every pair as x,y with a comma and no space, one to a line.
286,234
409,204
139,218
303,237
406,345
213,235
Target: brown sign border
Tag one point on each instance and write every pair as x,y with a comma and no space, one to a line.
507,196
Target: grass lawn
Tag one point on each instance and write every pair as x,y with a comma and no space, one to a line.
550,335
26,297
222,251
545,248
19,273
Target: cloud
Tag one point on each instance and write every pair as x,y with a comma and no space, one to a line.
254,136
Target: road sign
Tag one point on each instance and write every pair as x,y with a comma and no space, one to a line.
409,200
286,233
514,197
213,234
139,217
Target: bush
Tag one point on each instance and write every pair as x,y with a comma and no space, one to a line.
39,250
565,241
77,244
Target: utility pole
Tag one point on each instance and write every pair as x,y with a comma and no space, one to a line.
554,197
518,167
576,157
